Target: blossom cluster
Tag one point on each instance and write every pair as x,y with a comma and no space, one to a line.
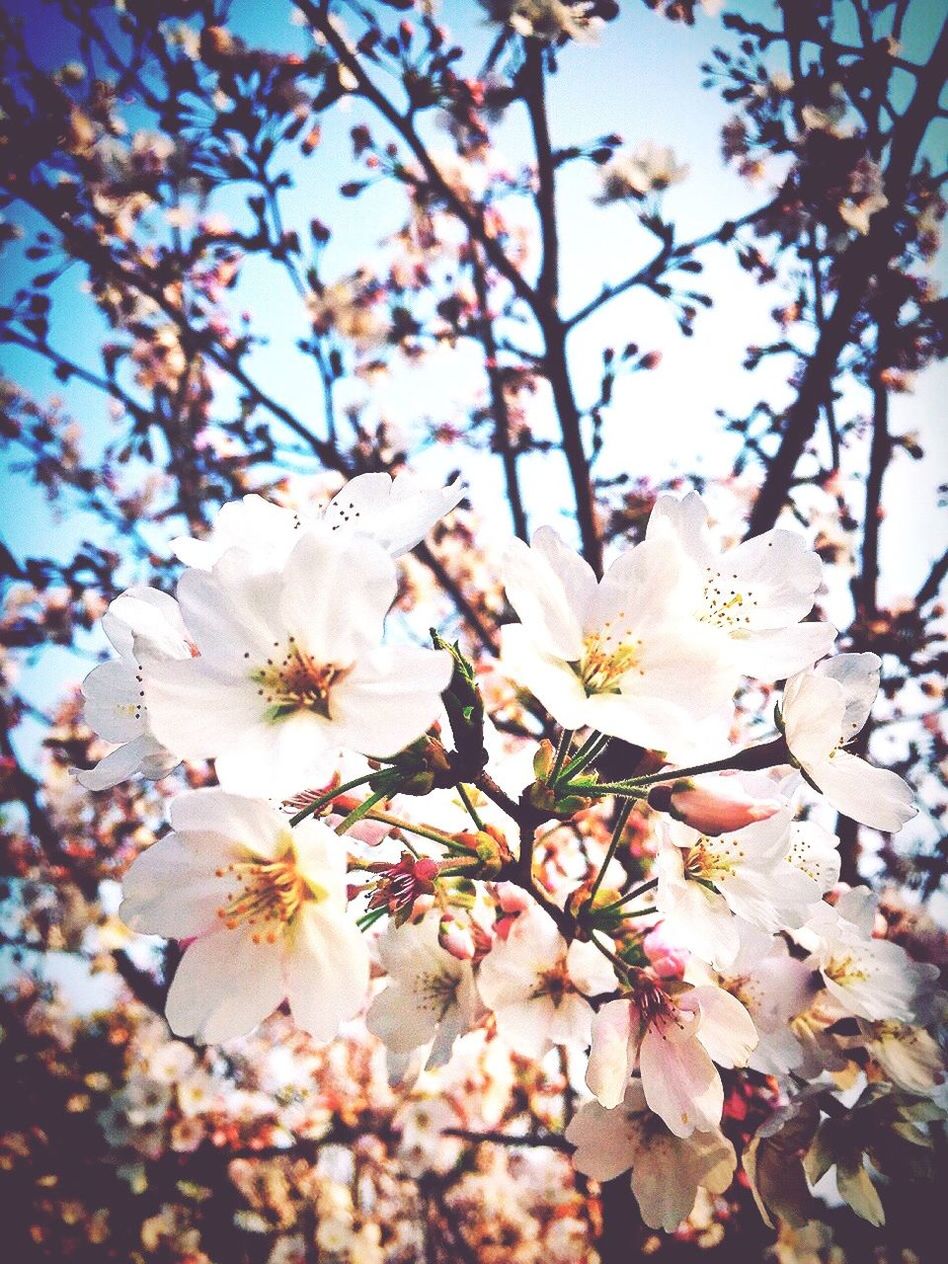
369,821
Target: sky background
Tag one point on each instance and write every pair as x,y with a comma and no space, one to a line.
641,79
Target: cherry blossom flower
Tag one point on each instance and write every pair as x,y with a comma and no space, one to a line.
753,596
774,988
609,654
675,1042
633,173
395,512
908,1055
266,910
822,710
140,621
667,1171
430,999
770,874
291,668
870,978
537,984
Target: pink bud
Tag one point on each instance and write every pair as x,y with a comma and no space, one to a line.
457,939
719,803
667,959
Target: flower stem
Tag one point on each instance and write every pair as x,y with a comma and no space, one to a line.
562,750
423,831
469,804
359,812
591,749
631,895
623,816
623,967
328,797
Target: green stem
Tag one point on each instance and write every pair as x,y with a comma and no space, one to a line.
369,919
762,755
591,749
631,895
622,966
469,804
623,816
330,795
562,750
362,810
423,831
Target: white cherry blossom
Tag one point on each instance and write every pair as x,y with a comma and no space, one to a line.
774,988
870,978
612,654
290,667
822,710
536,985
770,875
908,1055
139,621
430,998
753,596
667,1171
395,512
265,907
675,1042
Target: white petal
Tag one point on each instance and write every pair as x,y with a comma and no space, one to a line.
602,1139
249,824
813,710
120,764
680,1081
726,1029
539,595
398,513
402,1018
391,698
685,521
275,761
669,1171
251,523
858,674
172,888
224,986
195,710
549,679
153,620
231,612
773,654
327,969
589,971
114,707
876,797
779,572
336,592
612,1052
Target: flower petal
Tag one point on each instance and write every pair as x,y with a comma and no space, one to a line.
224,986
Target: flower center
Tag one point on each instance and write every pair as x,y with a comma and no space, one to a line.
607,659
725,606
296,682
718,860
267,895
845,969
554,983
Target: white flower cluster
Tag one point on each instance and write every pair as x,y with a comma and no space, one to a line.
272,663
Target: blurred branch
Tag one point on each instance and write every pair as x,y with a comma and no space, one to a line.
864,259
